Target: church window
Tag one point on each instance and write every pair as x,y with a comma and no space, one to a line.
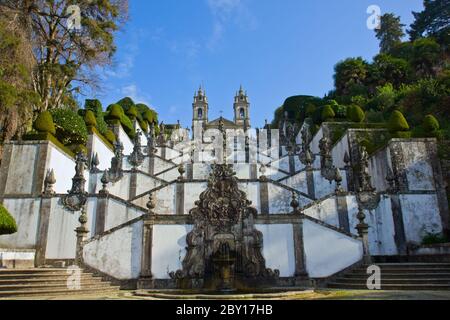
200,113
242,113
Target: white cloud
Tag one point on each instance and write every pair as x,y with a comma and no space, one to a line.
134,93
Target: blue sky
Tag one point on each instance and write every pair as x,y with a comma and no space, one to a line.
274,48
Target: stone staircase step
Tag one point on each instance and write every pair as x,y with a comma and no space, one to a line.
398,281
399,275
49,282
344,285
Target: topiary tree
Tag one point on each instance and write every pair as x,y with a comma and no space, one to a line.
327,113
398,126
126,103
114,112
89,119
132,112
355,114
397,122
110,136
430,124
44,123
7,223
96,107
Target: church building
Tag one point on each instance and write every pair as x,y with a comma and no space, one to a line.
200,108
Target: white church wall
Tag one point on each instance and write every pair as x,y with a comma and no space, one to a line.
201,171
119,213
339,150
145,183
420,216
297,182
117,254
324,259
378,169
126,141
325,211
381,226
280,199
61,241
26,214
162,165
165,200
104,153
169,249
323,187
120,188
170,175
278,248
419,172
192,193
21,169
272,173
314,144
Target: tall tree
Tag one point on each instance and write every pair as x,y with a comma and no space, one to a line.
69,40
390,32
434,20
350,74
16,91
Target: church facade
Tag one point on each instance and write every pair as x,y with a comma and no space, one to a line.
200,116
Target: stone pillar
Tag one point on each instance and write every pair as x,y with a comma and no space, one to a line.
291,163
310,182
151,165
397,216
102,209
40,169
253,171
190,171
341,204
299,249
42,232
179,197
133,184
264,196
4,168
146,277
363,233
82,233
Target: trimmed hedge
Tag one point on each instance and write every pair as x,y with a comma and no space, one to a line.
126,103
356,114
430,124
96,107
132,112
114,112
89,119
7,223
44,123
397,122
70,127
327,113
110,136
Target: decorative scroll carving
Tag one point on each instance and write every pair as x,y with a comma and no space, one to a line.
223,215
77,196
137,157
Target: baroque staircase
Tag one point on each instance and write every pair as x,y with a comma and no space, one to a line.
398,276
50,282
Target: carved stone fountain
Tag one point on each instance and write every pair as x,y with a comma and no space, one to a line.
224,247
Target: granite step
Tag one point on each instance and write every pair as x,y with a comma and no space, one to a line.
351,286
57,293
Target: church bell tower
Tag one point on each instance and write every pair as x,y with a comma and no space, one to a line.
200,111
242,109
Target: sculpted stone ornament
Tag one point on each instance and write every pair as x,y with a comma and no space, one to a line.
392,183
151,150
95,163
49,182
306,156
161,140
136,158
223,217
367,195
116,171
77,196
326,160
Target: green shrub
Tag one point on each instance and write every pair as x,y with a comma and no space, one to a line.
7,223
126,103
110,136
310,108
132,112
150,116
44,123
355,114
430,124
114,112
397,122
401,134
70,127
328,113
89,119
96,107
144,125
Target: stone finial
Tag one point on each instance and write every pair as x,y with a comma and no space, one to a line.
295,204
338,179
347,159
151,204
105,180
49,182
363,232
95,163
181,171
263,170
